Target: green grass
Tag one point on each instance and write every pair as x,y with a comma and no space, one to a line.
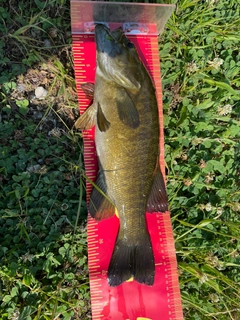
43,252
200,64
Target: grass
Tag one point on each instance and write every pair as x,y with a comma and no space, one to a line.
43,252
200,64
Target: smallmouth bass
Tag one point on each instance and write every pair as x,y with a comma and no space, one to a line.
125,113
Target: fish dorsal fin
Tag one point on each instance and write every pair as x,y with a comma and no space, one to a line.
103,123
88,119
100,206
127,110
157,200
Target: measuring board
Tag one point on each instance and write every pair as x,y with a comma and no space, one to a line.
130,300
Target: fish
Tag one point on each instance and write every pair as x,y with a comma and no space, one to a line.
129,181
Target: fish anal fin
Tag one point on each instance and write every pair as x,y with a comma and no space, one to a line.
157,200
100,206
88,119
88,89
127,110
102,122
104,211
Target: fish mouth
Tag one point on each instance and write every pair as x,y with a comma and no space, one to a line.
108,42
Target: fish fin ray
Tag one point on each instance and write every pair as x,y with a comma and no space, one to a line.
157,200
120,268
127,110
88,119
100,206
135,261
103,123
88,89
144,267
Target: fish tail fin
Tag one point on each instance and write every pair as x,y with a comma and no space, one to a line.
132,261
120,268
144,267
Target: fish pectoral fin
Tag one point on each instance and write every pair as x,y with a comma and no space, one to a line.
157,200
100,206
102,122
127,110
128,79
88,119
88,89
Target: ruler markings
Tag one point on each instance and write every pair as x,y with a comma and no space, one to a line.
96,292
92,236
96,286
94,255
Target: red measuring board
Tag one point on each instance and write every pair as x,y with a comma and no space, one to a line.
130,300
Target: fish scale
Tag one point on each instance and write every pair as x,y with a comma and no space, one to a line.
130,300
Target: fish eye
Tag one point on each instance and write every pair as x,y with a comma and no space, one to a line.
130,45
